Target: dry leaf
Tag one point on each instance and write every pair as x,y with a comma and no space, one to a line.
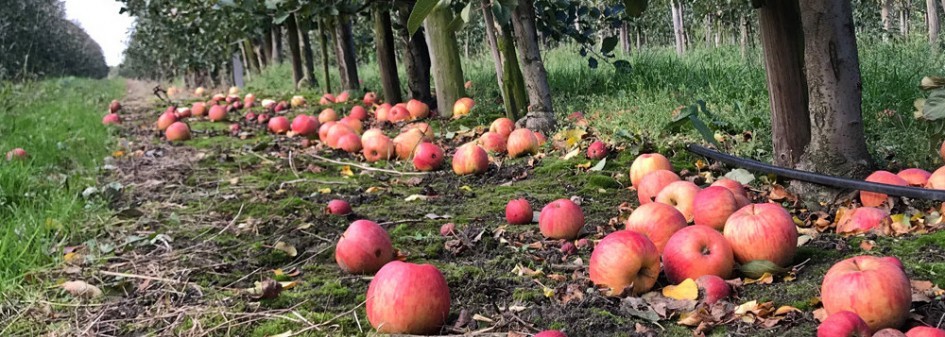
286,248
867,245
284,334
82,289
346,171
765,278
786,309
416,197
325,190
820,314
571,154
685,290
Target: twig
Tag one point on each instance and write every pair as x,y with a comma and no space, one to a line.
322,324
303,180
367,168
388,223
144,277
292,166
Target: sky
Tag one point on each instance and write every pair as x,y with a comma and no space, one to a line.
101,21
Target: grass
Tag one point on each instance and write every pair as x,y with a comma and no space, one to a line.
58,122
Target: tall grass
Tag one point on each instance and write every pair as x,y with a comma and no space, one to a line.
58,122
642,101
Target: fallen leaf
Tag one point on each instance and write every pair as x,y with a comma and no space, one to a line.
600,165
346,171
585,166
284,334
765,278
700,164
867,245
820,314
235,181
286,248
786,309
82,289
685,290
572,136
416,197
740,175
373,189
571,154
481,318
521,270
466,188
325,190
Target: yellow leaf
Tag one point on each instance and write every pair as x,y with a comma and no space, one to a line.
746,308
346,171
687,290
785,309
550,293
692,318
765,278
585,166
700,164
571,137
897,217
416,197
118,154
289,285
287,248
571,154
466,188
72,258
325,190
372,189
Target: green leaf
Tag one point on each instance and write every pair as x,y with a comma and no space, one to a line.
704,130
279,19
608,45
466,15
421,10
934,107
635,8
227,3
757,268
502,10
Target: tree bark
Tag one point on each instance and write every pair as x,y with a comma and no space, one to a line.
444,52
884,17
677,27
787,87
837,143
416,58
386,58
323,43
625,38
743,36
708,30
494,47
266,48
931,11
277,44
514,86
347,60
295,50
540,116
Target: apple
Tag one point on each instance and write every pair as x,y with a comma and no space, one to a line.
327,99
363,248
875,288
407,298
889,332
178,131
327,115
198,109
17,153
925,331
447,229
713,287
695,251
862,220
712,207
547,333
111,119
323,131
231,98
915,177
200,91
234,90
463,106
376,146
304,125
349,143
518,212
657,221
354,123
217,98
238,105
280,107
382,112
405,143
522,142
335,132
184,112
338,207
873,199
217,113
342,97
843,324
470,159
503,126
398,113
417,109
234,129
249,100
541,138
114,106
428,157
762,232
937,179
597,150
279,124
654,182
679,194
561,219
165,120
646,163
941,151
268,104
358,112
732,185
262,118
369,98
625,259
423,127
493,142
297,101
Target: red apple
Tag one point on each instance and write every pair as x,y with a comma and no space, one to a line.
561,219
625,259
418,109
249,100
338,207
114,106
354,123
541,138
217,113
549,333
695,251
232,97
657,221
646,163
873,199
925,331
369,98
279,124
327,99
184,112
428,157
363,248
376,146
398,113
937,179
111,119
502,126
349,143
518,212
522,142
679,194
762,232
423,127
178,131
305,126
407,298
336,132
342,97
405,143
875,288
493,142
199,109
654,182
327,115
447,229
470,159
281,106
323,131
382,112
843,324
862,220
17,153
165,120
358,113
597,150
463,106
234,129
713,288
734,186
262,118
889,332
915,177
712,207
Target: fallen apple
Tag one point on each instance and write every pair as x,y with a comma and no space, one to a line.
217,113
712,206
17,154
358,113
178,131
925,331
862,220
695,251
652,183
518,212
679,194
470,159
875,288
407,298
363,248
428,157
646,163
338,207
657,221
417,109
597,150
762,232
111,119
165,120
502,126
279,124
713,288
561,219
874,199
493,142
305,126
405,143
522,142
843,324
327,115
625,260
915,177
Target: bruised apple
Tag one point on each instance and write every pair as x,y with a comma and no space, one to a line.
407,298
625,260
363,248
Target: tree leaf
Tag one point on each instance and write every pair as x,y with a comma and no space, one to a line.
421,10
934,107
687,290
741,175
608,44
704,130
288,249
635,8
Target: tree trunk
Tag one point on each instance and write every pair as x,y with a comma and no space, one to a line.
386,57
447,67
416,58
277,44
494,48
260,55
347,60
784,64
513,88
266,48
625,38
837,143
932,18
323,43
639,34
884,17
708,31
682,24
743,35
295,50
308,55
540,116
677,27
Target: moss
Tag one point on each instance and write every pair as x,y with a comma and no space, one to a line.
602,181
273,327
526,295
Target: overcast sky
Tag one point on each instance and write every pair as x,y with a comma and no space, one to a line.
101,20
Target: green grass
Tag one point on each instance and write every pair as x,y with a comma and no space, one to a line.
58,122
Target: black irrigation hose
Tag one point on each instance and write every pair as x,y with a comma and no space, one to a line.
816,178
